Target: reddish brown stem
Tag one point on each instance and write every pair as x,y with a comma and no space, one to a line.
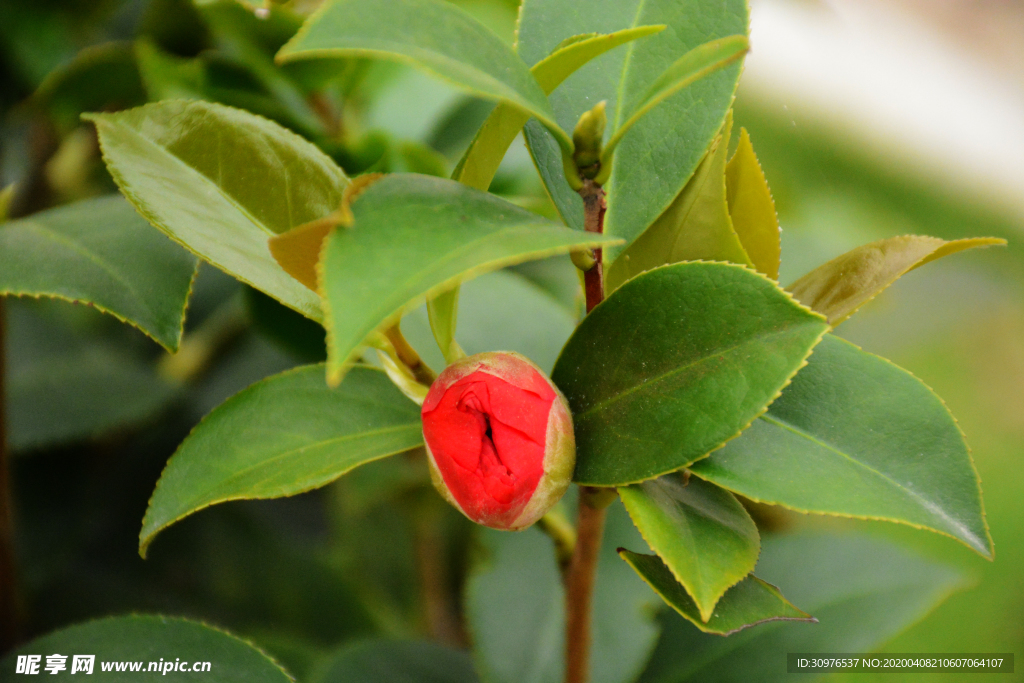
594,207
435,582
420,371
579,584
8,585
580,589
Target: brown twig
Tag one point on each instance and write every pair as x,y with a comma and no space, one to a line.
594,207
593,501
580,587
439,604
8,579
420,371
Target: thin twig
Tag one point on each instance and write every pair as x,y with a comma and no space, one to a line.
582,572
580,588
8,579
439,606
594,207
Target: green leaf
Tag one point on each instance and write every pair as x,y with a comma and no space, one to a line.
857,436
748,603
397,661
752,208
695,227
841,286
100,252
283,435
654,387
147,639
696,64
862,591
414,237
65,384
220,181
515,609
485,152
432,35
653,163
705,537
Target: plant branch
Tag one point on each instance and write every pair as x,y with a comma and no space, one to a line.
594,207
439,604
8,585
420,370
579,585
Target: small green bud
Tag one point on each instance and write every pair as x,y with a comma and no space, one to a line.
584,259
588,139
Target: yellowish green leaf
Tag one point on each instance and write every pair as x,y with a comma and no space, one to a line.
841,286
696,227
752,208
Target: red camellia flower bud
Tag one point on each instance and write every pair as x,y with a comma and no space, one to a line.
499,439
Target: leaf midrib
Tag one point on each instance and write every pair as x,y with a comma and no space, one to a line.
627,60
914,495
653,381
240,474
88,254
197,173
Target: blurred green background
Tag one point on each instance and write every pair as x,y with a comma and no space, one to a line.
281,571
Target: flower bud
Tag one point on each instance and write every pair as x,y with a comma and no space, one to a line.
499,439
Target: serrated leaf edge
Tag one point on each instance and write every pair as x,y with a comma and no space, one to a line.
146,540
877,518
788,381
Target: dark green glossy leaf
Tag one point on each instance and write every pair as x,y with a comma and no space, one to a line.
515,609
661,152
862,592
146,639
696,227
706,539
857,436
65,384
432,35
102,253
397,661
748,603
221,181
675,363
844,284
284,435
481,160
414,237
752,208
